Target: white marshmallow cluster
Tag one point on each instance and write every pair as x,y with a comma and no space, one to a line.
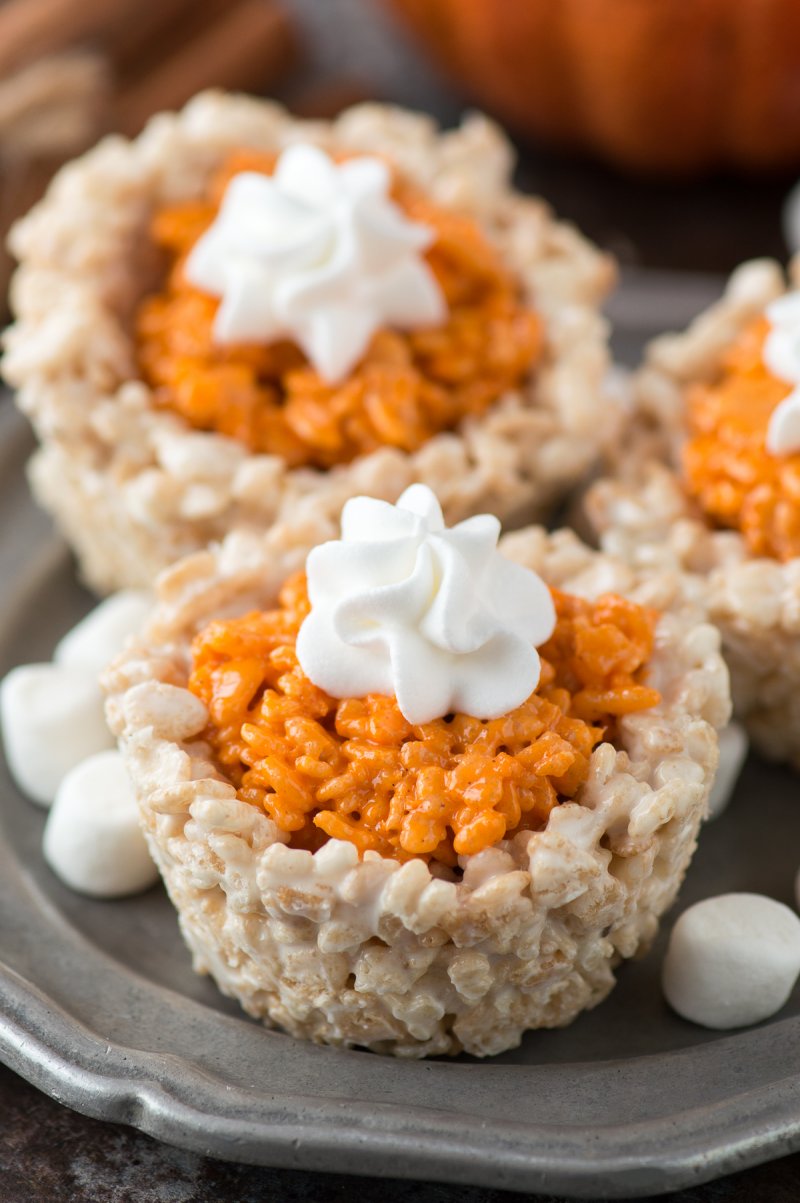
61,753
781,356
732,960
103,633
319,253
437,618
52,717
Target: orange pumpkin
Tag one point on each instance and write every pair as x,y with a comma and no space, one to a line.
659,85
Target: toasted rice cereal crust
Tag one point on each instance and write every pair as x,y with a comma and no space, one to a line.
643,514
403,958
133,488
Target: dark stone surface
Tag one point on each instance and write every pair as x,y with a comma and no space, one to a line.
51,1155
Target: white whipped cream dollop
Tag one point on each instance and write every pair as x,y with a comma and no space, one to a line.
781,355
437,618
318,253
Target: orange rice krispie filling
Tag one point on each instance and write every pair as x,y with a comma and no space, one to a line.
726,464
355,769
408,386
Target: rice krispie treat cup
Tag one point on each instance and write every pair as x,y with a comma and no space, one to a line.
164,422
387,871
705,483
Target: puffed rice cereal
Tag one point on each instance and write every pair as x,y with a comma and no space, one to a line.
747,574
408,956
134,487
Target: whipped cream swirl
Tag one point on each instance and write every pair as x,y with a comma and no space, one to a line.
781,355
318,253
437,618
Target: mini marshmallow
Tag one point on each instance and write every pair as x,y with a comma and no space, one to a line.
52,718
92,838
732,960
733,745
103,633
791,219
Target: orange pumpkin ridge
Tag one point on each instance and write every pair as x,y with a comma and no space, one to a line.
655,85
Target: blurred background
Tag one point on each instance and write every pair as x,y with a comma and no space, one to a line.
669,131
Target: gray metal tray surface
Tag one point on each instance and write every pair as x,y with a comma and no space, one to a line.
100,1008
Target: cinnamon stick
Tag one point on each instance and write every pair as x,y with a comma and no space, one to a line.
248,47
53,107
33,29
49,110
160,29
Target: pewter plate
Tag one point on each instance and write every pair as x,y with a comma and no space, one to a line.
100,1008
